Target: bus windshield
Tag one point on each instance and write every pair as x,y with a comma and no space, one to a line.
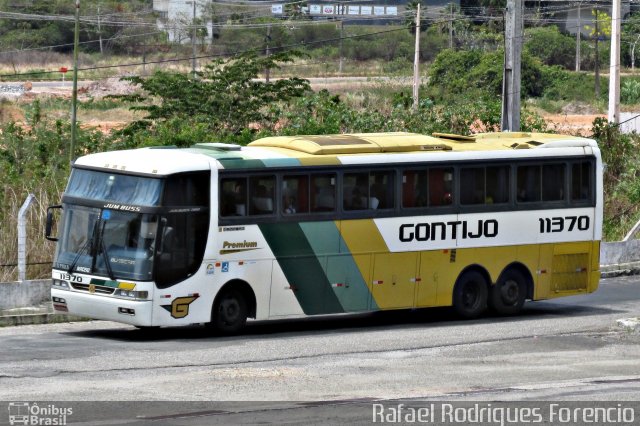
113,187
115,239
107,242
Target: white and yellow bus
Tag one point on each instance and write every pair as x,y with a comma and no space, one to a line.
312,225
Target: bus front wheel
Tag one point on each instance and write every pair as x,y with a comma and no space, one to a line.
508,295
229,313
470,295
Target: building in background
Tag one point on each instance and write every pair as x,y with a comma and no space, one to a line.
177,16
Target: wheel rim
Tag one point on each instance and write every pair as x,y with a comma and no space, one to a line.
510,292
470,295
229,310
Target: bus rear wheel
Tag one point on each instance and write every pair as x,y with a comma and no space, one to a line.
470,295
508,295
229,314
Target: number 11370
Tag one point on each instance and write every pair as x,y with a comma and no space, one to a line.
566,223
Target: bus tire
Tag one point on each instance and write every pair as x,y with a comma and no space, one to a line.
470,295
508,295
229,314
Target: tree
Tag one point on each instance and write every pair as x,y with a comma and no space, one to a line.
410,20
225,100
550,46
601,28
631,36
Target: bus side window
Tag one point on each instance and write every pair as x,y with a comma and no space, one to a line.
581,182
261,193
497,185
415,188
323,192
472,185
528,184
553,182
295,194
381,190
440,187
355,191
233,197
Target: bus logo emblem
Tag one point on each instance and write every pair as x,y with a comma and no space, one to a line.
92,288
179,308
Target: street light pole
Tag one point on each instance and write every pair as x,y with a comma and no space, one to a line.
74,93
193,41
416,62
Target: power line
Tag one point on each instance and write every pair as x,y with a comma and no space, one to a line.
160,61
82,42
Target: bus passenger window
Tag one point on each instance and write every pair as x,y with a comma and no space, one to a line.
295,194
414,188
581,182
355,191
497,185
553,182
323,193
261,195
381,190
528,184
440,187
233,197
472,185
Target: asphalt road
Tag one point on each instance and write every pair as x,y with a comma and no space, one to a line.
567,349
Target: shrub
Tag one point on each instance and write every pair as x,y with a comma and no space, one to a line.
550,46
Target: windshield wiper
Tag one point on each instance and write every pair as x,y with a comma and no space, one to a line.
105,254
84,248
80,252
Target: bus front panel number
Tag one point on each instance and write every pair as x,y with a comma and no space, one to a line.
566,223
69,277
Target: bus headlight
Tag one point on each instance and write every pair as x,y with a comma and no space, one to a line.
130,294
60,284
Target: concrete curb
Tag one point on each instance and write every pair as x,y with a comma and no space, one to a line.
31,319
609,271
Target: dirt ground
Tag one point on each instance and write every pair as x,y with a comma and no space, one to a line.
572,123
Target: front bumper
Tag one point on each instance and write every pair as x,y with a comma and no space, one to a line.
134,312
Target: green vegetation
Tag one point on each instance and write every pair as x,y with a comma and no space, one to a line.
621,179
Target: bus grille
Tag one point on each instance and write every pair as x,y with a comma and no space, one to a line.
97,288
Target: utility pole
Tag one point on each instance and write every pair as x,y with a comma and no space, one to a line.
193,41
597,59
99,31
341,37
450,25
614,68
74,92
578,36
267,71
416,61
512,66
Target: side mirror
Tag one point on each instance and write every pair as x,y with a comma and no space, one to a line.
49,224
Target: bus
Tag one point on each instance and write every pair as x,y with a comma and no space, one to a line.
295,226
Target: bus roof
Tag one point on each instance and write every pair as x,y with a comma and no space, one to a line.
284,151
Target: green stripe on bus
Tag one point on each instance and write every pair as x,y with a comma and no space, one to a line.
339,266
281,162
302,268
240,163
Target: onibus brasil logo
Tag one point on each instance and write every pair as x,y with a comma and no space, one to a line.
26,413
